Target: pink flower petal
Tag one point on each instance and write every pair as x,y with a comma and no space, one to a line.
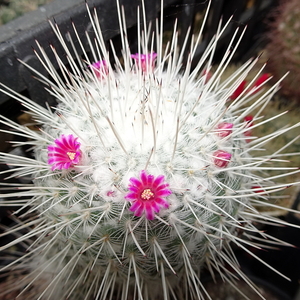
158,180
145,61
149,211
163,193
133,189
147,195
150,179
131,196
155,206
136,205
144,178
139,211
161,187
135,182
65,153
162,202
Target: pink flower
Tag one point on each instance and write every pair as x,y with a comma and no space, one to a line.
145,61
99,68
224,129
147,194
65,153
221,158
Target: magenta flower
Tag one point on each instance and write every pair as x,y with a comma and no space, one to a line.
99,68
221,158
224,129
65,153
147,194
145,61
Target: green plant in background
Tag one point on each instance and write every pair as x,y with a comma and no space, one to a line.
144,175
289,140
12,9
284,47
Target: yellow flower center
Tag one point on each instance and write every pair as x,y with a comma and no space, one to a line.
71,155
147,194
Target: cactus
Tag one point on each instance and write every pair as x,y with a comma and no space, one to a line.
143,175
283,47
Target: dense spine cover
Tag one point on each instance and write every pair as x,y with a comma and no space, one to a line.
144,173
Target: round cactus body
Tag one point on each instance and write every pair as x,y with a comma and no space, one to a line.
142,176
135,147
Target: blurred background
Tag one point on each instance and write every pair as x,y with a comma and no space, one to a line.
273,33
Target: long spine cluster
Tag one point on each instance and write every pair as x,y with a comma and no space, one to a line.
183,134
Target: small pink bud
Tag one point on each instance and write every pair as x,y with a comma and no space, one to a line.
238,90
224,129
110,193
221,158
99,68
145,61
257,84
